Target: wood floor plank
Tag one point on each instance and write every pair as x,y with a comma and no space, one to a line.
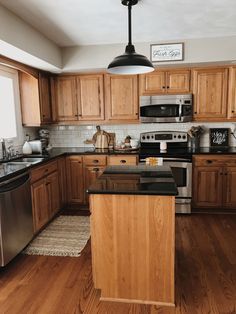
205,276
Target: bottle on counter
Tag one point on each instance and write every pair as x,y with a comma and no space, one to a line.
26,149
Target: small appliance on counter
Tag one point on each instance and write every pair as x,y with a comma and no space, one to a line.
44,136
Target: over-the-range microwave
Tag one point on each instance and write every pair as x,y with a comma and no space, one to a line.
166,108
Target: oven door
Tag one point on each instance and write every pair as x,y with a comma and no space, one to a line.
182,173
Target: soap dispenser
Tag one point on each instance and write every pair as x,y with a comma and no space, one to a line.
27,150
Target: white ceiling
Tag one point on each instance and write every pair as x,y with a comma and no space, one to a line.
86,22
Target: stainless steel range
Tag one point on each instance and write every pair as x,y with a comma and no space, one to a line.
172,147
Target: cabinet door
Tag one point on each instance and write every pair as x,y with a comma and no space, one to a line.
130,160
62,181
210,91
45,98
229,195
52,184
90,97
91,173
39,204
66,100
29,95
232,94
207,187
75,186
122,97
178,81
153,83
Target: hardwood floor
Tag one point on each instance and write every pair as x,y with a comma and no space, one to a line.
205,276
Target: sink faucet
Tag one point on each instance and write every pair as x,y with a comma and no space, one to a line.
4,150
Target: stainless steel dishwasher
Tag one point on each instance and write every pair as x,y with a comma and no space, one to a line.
16,222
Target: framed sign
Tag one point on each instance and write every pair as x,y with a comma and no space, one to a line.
219,137
167,52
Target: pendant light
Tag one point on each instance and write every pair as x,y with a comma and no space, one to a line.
130,62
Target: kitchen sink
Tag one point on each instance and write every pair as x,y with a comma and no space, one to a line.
25,161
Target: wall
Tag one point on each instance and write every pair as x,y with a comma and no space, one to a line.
219,49
74,136
20,39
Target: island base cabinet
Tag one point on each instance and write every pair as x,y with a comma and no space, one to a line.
133,240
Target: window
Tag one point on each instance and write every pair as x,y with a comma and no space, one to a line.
9,103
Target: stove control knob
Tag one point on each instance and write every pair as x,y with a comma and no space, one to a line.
179,136
143,137
148,137
184,137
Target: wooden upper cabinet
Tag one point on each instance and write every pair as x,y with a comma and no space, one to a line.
178,81
210,93
121,98
153,83
165,82
66,100
90,97
45,97
232,94
35,99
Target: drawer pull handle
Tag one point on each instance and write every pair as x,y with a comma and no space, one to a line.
221,174
163,87
209,161
46,170
95,161
226,174
232,111
96,169
123,161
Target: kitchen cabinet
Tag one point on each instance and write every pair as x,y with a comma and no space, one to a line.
75,180
232,94
210,94
94,166
35,95
121,92
90,97
62,181
129,160
79,97
176,81
214,182
65,98
45,194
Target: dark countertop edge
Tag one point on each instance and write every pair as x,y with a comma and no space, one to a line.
133,193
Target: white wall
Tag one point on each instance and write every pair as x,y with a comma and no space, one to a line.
17,33
196,51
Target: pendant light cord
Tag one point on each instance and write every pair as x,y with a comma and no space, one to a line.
130,24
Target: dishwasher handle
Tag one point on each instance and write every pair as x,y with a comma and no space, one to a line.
14,183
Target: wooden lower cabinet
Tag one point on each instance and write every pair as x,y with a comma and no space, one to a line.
45,194
75,180
91,173
62,181
214,184
40,204
52,185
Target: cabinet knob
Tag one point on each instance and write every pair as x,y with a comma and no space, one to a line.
232,111
209,161
195,112
168,87
95,161
96,169
226,173
76,115
221,173
123,161
163,87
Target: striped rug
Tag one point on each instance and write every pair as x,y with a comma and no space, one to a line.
64,236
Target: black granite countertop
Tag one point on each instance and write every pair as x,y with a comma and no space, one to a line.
138,180
8,171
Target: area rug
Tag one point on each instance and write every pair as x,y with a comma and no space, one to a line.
64,236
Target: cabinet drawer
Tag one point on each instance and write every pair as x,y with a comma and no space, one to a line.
215,160
122,160
42,171
95,160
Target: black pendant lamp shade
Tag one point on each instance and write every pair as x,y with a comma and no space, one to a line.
130,62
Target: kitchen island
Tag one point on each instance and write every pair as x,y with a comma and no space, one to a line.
133,234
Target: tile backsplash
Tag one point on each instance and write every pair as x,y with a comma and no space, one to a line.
74,136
